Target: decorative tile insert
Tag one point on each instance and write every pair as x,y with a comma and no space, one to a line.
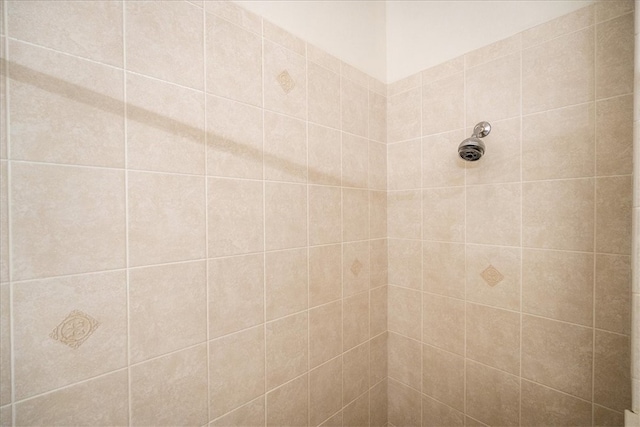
356,267
286,81
75,329
491,275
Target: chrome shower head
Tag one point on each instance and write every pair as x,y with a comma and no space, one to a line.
471,149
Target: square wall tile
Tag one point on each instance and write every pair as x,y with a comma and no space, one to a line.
325,332
235,217
157,325
287,349
171,390
443,376
404,166
613,296
612,379
289,404
45,358
325,274
614,57
5,345
4,222
285,215
443,105
165,127
175,56
614,201
324,95
355,372
569,23
232,150
492,396
435,413
403,116
324,158
234,61
542,406
502,162
250,415
356,268
377,117
377,214
443,214
64,109
379,263
325,391
494,214
614,136
405,263
605,417
286,286
493,51
377,166
355,320
443,323
236,370
378,359
166,218
354,101
322,58
235,14
404,213
236,293
404,312
405,359
285,148
379,306
404,405
355,214
442,272
441,166
357,412
325,215
355,161
66,220
493,275
445,69
285,80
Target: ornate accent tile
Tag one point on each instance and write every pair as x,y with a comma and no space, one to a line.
75,329
356,267
286,81
491,275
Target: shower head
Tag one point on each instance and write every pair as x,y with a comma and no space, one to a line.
471,149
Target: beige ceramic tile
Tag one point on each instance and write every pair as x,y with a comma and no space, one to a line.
377,214
563,25
443,214
49,307
235,217
325,391
378,359
557,355
285,215
445,69
3,99
234,61
377,117
165,127
493,214
612,382
325,215
157,325
613,214
285,80
443,323
492,396
355,372
81,212
285,148
379,263
6,416
283,38
484,285
357,412
4,222
250,415
404,85
542,406
559,72
502,160
443,376
404,405
5,345
322,58
355,268
441,166
355,320
405,359
355,214
354,106
68,406
608,9
325,332
236,370
558,214
404,213
176,55
355,161
501,79
404,165
377,86
287,349
232,150
493,337
559,143
377,166
354,74
324,155
470,422
403,116
614,136
325,274
89,30
60,104
443,105
606,417
494,51
405,263
166,218
289,404
235,14
614,57
612,296
379,308
334,421
286,285
436,414
558,285
404,311
441,268
236,293
324,96
171,390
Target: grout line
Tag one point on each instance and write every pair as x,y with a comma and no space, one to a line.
308,370
595,227
422,278
264,228
206,208
521,251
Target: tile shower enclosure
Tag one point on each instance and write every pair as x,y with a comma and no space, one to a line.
207,220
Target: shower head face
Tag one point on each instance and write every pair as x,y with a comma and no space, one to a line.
471,149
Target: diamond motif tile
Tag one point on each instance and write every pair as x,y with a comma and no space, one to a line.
286,81
75,329
492,276
356,267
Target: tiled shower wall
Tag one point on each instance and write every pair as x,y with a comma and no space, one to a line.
635,339
509,278
193,221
